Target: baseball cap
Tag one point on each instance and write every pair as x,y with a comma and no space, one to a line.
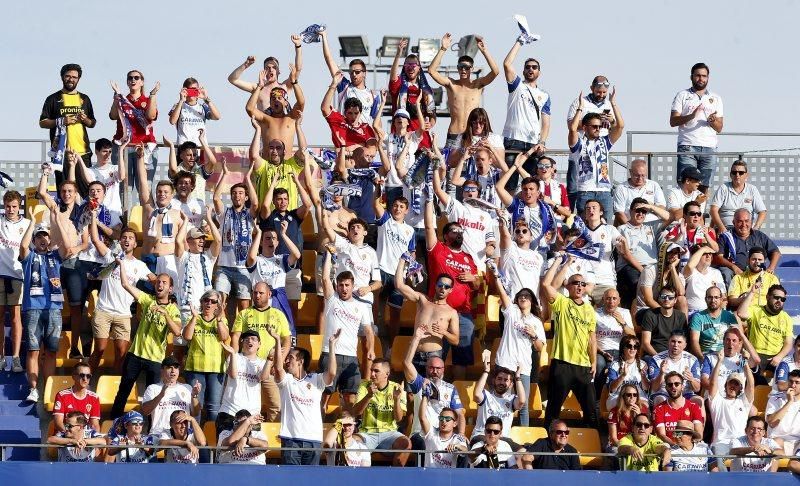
195,233
691,173
132,417
249,333
41,228
402,113
736,376
170,361
674,246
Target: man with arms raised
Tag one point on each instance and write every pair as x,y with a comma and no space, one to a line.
247,371
279,120
270,72
355,87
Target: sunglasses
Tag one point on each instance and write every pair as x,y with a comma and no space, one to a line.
674,384
134,78
411,64
442,285
532,66
84,376
778,298
642,425
348,425
543,166
666,297
561,432
470,188
631,346
456,230
694,213
677,434
640,210
356,71
521,231
579,283
602,84
464,66
493,431
630,395
595,127
738,172
446,418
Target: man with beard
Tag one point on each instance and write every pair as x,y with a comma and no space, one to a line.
707,327
698,114
355,87
463,94
768,326
595,101
274,171
279,120
505,396
447,257
75,108
527,114
676,407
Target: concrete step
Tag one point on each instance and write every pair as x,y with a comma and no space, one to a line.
18,408
14,391
30,435
23,453
19,422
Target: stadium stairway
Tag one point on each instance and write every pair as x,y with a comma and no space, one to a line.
19,420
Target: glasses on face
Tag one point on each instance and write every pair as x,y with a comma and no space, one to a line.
713,297
411,64
84,376
673,384
642,425
137,423
464,66
561,432
602,84
470,188
678,434
630,395
579,283
594,127
347,425
72,426
442,285
533,67
631,346
543,166
779,298
666,297
134,78
456,230
738,172
210,301
640,210
445,418
356,71
493,431
521,231
695,213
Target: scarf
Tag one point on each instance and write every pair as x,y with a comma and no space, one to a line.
525,36
3,178
86,212
580,242
103,271
166,225
51,273
312,33
519,211
414,271
128,111
326,161
237,233
56,154
728,245
345,190
419,176
188,291
356,175
424,87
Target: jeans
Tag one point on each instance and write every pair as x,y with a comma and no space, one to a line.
524,416
512,148
211,391
704,158
462,353
133,162
604,197
131,368
309,456
602,364
627,281
721,449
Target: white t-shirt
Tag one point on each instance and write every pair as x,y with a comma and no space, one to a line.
524,111
492,139
751,462
642,241
109,175
682,462
676,198
515,343
504,454
195,206
10,237
604,271
177,397
729,417
191,120
448,397
522,268
91,254
590,106
301,417
789,426
686,360
609,332
591,162
190,284
361,261
729,201
394,146
367,97
625,193
729,366
633,376
271,270
698,283
501,407
349,316
697,132
394,239
646,280
244,391
478,229
73,454
112,297
433,442
180,455
229,456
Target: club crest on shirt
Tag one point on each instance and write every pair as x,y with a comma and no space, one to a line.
308,385
711,100
687,413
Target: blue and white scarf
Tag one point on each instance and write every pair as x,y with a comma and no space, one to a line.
50,272
312,33
521,212
424,87
237,233
3,178
419,177
56,154
728,245
356,175
414,271
167,227
525,36
344,190
188,291
580,244
326,161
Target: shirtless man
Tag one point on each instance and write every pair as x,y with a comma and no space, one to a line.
279,119
434,317
463,94
68,212
162,221
272,69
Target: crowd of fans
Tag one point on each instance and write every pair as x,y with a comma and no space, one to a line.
663,302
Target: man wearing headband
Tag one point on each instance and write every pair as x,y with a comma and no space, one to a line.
279,120
270,72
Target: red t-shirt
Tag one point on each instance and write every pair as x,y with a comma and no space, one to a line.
667,416
442,259
625,425
140,134
411,98
352,135
66,402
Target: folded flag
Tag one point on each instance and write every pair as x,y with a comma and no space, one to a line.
312,33
326,161
580,244
56,154
525,36
5,179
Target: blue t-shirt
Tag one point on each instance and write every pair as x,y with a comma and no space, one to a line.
41,276
712,329
363,205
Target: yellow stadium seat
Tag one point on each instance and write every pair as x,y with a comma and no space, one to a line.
107,388
309,306
544,360
91,302
493,310
62,355
135,220
308,228
535,409
527,435
271,430
603,400
52,452
399,348
468,428
465,390
105,426
761,396
587,441
39,213
313,344
210,431
54,385
309,269
334,405
571,409
408,313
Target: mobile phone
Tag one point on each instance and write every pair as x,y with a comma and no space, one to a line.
192,92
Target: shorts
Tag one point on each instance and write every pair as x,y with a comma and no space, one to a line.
389,292
380,440
76,283
462,353
167,264
11,292
106,325
232,281
42,327
294,284
348,374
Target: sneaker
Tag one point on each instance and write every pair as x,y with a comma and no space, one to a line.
74,353
16,366
33,396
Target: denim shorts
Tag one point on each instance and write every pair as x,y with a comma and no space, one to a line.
462,353
75,281
395,298
42,327
232,281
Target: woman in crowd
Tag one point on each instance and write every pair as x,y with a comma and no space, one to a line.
135,114
629,369
620,417
351,450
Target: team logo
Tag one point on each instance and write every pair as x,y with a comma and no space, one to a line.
308,385
539,98
711,100
602,236
687,413
748,201
88,408
21,231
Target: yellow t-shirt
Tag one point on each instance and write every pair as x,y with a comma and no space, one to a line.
151,337
75,132
261,321
263,178
205,353
379,414
648,464
573,324
768,333
744,281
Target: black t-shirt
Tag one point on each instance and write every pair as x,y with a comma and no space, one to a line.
553,462
54,108
661,327
294,230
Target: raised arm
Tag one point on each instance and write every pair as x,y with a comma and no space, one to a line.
219,208
508,62
393,72
505,300
327,101
294,252
506,197
433,68
327,285
255,144
330,372
493,69
25,243
234,76
252,103
209,159
327,226
144,185
430,225
298,56
300,98
326,53
573,127
400,283
41,191
480,385
440,193
123,280
216,245
458,180
252,252
173,159
424,423
251,192
266,203
615,132
548,288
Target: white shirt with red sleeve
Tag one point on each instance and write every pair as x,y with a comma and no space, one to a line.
66,401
